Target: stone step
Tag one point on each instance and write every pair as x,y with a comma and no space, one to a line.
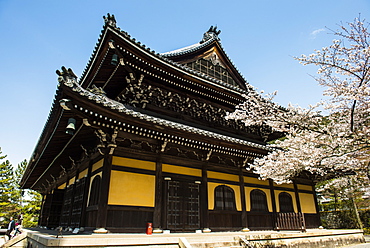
214,244
229,246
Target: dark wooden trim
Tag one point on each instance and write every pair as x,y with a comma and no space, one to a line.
72,200
243,199
164,206
86,194
129,208
92,208
284,189
204,216
312,220
127,152
297,199
73,195
181,177
222,181
272,194
157,215
133,170
184,162
96,171
104,191
223,169
316,205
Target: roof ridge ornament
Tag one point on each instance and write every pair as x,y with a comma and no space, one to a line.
66,76
110,20
211,33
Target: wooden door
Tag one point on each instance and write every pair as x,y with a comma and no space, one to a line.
52,209
78,201
182,206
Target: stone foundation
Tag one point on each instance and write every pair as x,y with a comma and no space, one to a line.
310,239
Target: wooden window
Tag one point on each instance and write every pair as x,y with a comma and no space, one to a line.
95,191
285,202
224,198
258,201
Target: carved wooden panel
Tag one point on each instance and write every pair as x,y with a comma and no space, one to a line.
140,95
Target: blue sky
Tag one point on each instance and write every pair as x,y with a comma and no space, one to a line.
261,37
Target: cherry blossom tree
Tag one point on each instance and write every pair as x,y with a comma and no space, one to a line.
328,139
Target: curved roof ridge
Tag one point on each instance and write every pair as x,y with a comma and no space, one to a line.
188,49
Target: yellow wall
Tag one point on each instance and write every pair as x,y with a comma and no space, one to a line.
181,170
255,181
134,163
248,197
307,203
285,185
97,165
82,174
277,192
62,186
132,189
304,187
211,195
224,176
72,181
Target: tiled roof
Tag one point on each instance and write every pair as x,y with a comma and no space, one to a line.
165,57
117,106
188,49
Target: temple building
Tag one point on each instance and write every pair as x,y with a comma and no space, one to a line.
141,137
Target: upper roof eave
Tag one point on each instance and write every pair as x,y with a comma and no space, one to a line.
164,60
49,128
113,105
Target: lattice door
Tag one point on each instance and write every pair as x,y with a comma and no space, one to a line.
66,210
182,206
78,200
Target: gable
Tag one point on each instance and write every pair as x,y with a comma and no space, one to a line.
209,58
211,65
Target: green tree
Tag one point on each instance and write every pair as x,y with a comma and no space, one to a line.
13,199
8,191
18,173
31,208
29,200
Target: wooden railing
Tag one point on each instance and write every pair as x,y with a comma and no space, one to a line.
290,221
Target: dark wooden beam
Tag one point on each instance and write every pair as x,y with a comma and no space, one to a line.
104,191
242,196
298,201
204,198
157,216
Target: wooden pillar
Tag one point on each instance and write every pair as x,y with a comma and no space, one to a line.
243,200
273,201
204,198
86,194
157,215
72,200
104,193
316,205
272,194
298,201
42,219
